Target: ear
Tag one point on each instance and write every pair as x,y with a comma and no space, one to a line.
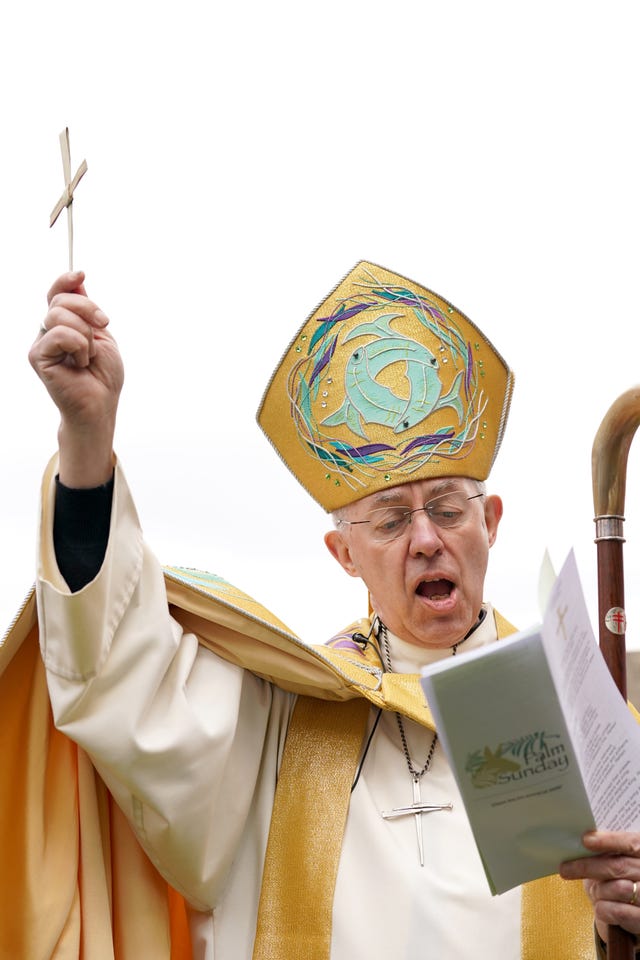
492,515
339,549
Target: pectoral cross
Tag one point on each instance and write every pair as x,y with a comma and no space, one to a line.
66,199
417,808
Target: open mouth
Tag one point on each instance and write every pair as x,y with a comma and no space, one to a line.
435,589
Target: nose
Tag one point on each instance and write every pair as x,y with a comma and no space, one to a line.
425,536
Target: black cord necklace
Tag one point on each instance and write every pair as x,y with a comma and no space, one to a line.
385,655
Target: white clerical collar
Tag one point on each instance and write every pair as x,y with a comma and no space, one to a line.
410,658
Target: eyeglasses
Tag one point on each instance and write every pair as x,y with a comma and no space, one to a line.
389,523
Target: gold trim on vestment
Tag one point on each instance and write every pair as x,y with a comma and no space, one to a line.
307,827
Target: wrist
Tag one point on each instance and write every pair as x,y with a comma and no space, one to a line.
86,457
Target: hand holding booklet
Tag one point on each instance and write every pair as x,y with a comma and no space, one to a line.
541,743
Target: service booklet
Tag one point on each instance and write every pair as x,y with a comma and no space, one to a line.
539,739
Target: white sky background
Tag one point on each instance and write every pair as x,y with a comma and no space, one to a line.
242,157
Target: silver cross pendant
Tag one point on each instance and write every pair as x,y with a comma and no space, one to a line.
417,808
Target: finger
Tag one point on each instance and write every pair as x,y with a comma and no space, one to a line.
617,891
86,320
612,842
617,855
72,309
62,344
68,283
616,903
59,318
612,912
603,867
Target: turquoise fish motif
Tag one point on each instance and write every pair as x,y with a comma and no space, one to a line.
368,401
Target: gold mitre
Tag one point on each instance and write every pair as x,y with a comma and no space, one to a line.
386,382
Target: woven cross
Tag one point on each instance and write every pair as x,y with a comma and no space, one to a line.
66,200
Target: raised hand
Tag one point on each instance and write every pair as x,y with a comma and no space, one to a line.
78,361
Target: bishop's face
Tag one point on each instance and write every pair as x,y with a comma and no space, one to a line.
427,584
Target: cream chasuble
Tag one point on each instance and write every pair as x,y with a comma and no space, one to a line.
420,911
189,744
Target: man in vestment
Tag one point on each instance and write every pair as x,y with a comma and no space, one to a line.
267,785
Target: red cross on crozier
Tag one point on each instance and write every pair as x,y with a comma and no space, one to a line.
616,620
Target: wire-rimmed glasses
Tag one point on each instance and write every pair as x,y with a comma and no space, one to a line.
391,522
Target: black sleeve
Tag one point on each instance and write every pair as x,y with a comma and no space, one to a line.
81,531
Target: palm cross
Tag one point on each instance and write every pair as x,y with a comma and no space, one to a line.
70,185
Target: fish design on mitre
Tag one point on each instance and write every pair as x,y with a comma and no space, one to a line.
369,401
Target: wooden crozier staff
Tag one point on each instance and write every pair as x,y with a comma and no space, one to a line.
609,474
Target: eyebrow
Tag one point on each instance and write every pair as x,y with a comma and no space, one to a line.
395,496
